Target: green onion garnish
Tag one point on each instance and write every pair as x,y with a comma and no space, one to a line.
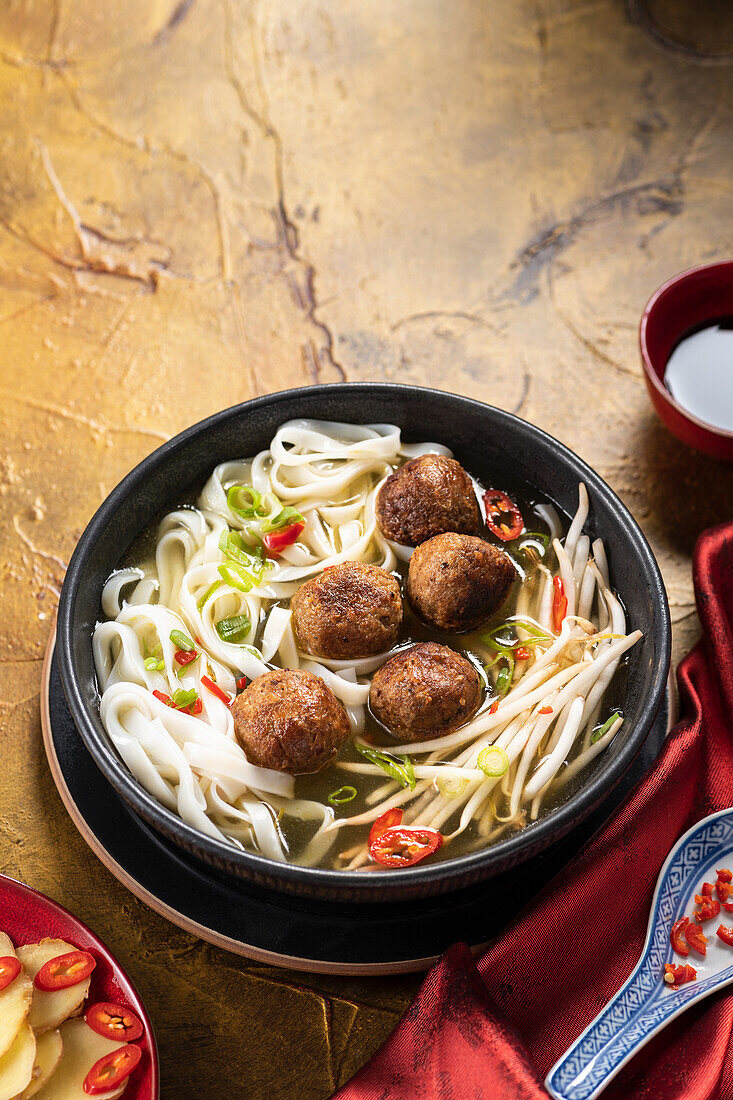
233,545
540,540
184,697
504,679
601,731
451,785
182,641
152,664
235,629
244,501
285,518
237,576
493,761
343,794
491,637
207,595
400,769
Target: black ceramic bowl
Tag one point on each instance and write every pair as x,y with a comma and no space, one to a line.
498,448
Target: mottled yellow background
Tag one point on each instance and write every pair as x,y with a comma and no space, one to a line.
209,199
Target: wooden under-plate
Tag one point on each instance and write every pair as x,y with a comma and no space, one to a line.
279,929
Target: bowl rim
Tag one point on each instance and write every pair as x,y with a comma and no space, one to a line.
378,883
652,375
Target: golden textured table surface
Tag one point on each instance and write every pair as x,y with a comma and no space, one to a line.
209,199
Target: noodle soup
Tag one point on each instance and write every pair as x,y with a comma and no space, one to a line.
203,610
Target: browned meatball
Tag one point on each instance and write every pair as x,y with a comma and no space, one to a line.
456,581
289,720
350,610
425,691
426,496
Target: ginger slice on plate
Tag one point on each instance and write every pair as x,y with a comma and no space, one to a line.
49,1010
15,1000
82,1048
49,1046
16,1065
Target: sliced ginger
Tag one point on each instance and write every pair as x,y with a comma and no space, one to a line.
82,1048
16,1065
15,1001
49,1010
48,1054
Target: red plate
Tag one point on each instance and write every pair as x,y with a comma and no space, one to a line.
27,917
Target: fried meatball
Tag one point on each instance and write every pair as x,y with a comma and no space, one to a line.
425,691
456,581
289,720
426,496
350,610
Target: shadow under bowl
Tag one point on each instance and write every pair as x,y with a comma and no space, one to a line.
495,446
683,303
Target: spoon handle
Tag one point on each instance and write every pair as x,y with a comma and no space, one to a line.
627,1022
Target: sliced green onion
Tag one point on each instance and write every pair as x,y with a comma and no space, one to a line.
493,761
451,785
184,697
400,769
492,639
237,576
244,501
182,641
285,518
601,731
207,595
234,629
540,540
233,545
504,679
343,794
152,664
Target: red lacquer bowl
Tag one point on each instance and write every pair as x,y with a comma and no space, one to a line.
27,916
689,299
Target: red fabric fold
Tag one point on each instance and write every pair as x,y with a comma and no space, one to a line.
494,1027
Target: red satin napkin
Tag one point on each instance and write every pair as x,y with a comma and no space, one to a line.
492,1029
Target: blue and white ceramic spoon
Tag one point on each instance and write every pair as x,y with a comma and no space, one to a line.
644,1005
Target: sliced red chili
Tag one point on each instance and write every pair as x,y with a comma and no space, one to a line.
276,541
9,970
494,707
680,975
725,875
183,657
216,690
521,653
545,710
241,683
725,934
194,708
114,1021
111,1070
64,971
709,908
403,847
503,518
723,890
696,938
163,697
677,936
706,890
559,604
388,820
